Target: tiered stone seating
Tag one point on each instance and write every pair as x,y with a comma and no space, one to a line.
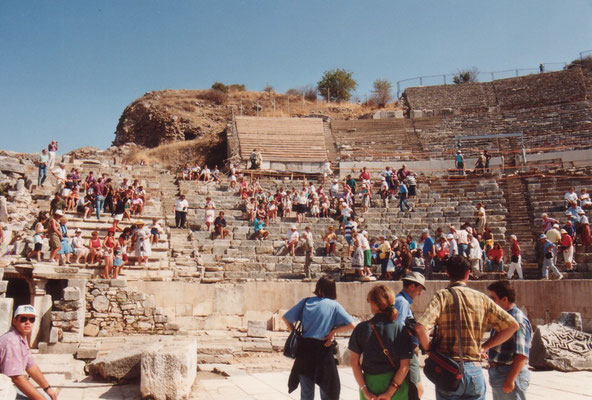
548,128
282,139
369,139
546,194
151,178
439,202
508,94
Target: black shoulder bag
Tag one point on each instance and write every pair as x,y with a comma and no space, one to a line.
445,372
295,337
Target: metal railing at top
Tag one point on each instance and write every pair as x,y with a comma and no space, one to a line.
482,76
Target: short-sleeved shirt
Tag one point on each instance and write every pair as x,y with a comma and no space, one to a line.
15,356
428,246
394,336
478,313
220,221
60,173
403,305
319,316
518,344
43,158
258,225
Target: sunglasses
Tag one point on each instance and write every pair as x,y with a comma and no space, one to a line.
25,319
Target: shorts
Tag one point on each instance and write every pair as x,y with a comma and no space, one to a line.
154,231
349,240
118,217
125,257
38,246
117,262
54,241
80,209
412,191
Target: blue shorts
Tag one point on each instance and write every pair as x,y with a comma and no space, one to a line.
349,240
117,262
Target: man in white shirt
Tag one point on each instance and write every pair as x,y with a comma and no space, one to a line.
463,241
60,174
181,206
453,245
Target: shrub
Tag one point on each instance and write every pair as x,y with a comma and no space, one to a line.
235,87
268,88
466,76
337,85
220,87
214,95
293,92
310,93
381,94
585,63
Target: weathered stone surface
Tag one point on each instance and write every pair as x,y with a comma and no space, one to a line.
123,363
100,303
343,355
571,320
91,330
53,335
168,371
5,313
277,323
71,294
257,328
7,391
3,210
562,348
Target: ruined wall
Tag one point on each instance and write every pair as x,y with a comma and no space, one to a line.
232,305
469,97
112,309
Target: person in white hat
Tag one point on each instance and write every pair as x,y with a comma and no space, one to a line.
16,358
292,240
413,285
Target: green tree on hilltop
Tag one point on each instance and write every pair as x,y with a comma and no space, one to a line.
337,85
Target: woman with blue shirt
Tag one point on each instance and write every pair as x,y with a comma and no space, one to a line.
321,318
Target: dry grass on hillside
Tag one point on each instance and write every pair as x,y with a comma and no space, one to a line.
207,150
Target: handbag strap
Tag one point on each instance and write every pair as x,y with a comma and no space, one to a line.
384,349
458,330
298,323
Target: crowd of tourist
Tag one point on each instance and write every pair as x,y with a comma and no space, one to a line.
385,349
84,196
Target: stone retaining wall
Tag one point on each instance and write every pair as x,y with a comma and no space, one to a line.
112,309
199,306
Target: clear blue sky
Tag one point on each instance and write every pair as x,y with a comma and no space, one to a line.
69,68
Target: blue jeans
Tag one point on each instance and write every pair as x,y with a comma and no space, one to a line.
497,376
463,249
99,202
403,200
42,175
472,385
307,389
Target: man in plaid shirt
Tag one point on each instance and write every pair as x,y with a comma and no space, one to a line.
478,313
508,362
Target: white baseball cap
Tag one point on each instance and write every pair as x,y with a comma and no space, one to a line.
58,212
25,309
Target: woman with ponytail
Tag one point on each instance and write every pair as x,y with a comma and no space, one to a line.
387,349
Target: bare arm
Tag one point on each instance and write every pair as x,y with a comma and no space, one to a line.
36,374
422,336
288,324
517,365
500,337
23,384
398,378
342,328
359,376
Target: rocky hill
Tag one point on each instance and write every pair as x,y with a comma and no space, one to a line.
195,120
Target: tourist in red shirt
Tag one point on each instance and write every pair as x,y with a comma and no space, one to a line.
566,244
495,258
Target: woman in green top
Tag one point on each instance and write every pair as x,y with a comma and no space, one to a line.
376,376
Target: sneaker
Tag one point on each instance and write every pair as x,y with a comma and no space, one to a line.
560,277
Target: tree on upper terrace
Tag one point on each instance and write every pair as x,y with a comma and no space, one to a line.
337,85
381,94
466,76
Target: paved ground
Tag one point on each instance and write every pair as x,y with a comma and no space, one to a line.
273,386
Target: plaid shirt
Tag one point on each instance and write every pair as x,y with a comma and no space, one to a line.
518,344
478,313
